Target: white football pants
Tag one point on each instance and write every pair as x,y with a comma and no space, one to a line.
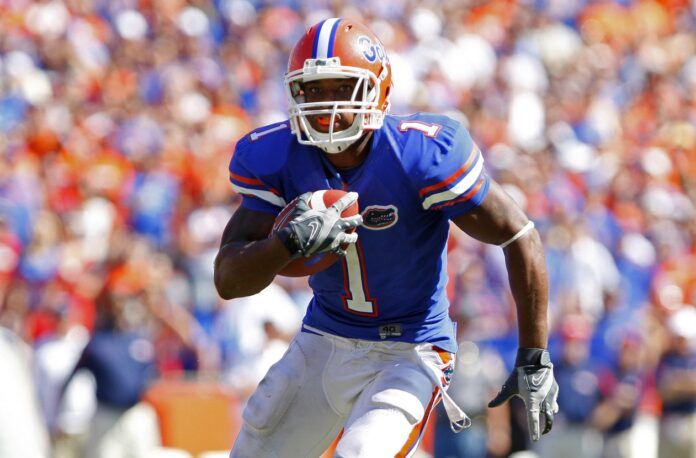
380,393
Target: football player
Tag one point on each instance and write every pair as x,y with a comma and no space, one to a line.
377,346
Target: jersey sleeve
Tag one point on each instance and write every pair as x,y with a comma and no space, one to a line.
452,178
258,194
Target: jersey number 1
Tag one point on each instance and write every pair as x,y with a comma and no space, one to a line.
357,298
429,130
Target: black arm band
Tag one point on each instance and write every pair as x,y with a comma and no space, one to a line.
290,241
532,357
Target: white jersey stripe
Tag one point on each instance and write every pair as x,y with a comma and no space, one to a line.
460,188
325,38
263,195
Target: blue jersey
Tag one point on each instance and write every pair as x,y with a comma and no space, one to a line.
421,171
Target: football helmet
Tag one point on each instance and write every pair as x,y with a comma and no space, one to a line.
338,48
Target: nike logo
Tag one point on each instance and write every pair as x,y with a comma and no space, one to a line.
314,226
538,378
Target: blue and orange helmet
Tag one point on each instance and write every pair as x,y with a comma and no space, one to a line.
338,48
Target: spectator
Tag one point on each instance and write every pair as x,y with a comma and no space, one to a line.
122,360
676,378
579,394
22,429
263,321
127,350
621,388
477,375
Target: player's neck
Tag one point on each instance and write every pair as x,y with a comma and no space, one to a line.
353,156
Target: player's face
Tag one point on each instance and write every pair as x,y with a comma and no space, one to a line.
330,90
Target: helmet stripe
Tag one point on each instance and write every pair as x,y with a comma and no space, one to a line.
332,38
324,38
316,39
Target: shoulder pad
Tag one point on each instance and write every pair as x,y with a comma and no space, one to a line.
422,135
444,164
264,150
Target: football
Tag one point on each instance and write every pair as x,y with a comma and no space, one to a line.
307,266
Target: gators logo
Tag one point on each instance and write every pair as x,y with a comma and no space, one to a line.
448,372
380,217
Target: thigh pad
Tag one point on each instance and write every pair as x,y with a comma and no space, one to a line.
404,387
276,391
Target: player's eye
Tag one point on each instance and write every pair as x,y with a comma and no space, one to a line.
313,90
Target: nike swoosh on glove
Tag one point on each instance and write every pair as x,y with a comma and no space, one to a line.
532,380
316,231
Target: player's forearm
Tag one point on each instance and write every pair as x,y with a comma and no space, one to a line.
172,316
245,268
529,284
681,385
605,415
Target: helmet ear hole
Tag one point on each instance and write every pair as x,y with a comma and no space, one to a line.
297,92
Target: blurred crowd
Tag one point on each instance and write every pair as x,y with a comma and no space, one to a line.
117,122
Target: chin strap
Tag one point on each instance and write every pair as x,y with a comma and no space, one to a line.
337,146
364,141
333,149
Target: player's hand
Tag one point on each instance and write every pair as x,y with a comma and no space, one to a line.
313,231
532,380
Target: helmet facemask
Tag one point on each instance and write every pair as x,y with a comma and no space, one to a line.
363,104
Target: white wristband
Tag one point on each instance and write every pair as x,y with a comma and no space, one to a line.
527,227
